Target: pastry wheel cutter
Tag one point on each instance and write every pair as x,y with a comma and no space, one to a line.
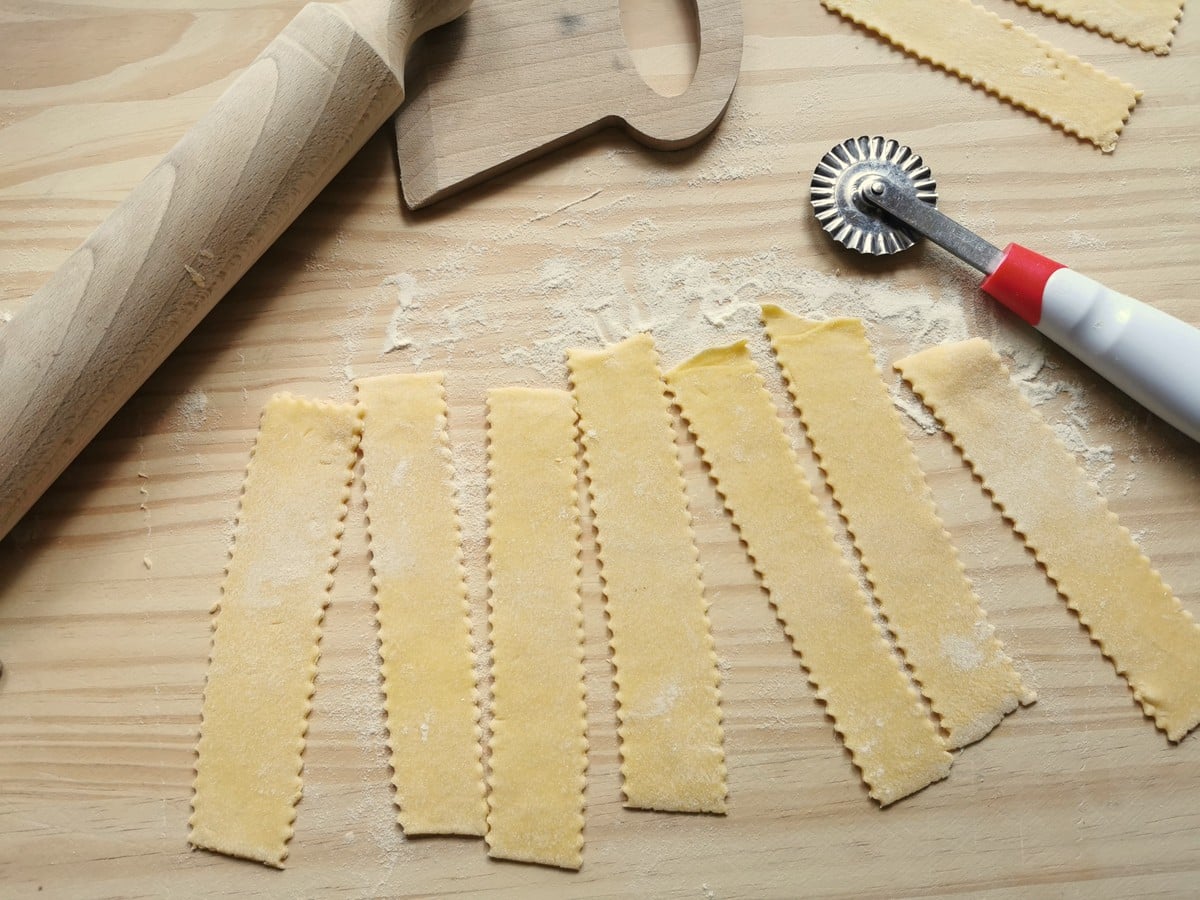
876,196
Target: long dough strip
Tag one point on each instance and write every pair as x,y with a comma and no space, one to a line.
978,46
267,626
913,568
665,668
1149,24
875,709
1038,486
428,661
539,725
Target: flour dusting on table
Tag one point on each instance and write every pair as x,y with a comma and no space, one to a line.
603,290
408,302
193,409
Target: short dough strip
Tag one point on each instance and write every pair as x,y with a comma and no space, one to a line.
668,696
267,626
913,568
978,46
428,660
1149,24
1038,486
539,724
824,612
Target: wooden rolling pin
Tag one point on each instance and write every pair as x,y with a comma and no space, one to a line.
80,347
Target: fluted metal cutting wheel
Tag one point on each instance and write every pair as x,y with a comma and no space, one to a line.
853,221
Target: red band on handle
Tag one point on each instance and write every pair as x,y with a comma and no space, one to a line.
1020,280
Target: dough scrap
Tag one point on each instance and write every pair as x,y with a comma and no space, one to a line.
539,723
267,628
1149,24
428,659
1062,517
668,691
875,709
913,568
978,46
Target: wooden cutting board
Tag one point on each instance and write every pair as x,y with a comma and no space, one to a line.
510,81
105,587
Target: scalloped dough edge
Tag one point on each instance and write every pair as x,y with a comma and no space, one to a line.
579,360
416,818
734,356
549,419
1150,31
1109,114
211,837
978,710
925,381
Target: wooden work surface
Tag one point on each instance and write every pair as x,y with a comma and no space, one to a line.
105,586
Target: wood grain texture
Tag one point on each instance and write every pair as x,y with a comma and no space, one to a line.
1076,796
153,269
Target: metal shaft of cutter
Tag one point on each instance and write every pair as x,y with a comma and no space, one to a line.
938,227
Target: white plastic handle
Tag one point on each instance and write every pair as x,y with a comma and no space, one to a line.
1150,355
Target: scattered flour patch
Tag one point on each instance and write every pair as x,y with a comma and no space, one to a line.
721,172
469,452
229,528
1096,458
408,299
1082,240
1036,379
665,701
1026,363
691,302
1130,478
963,654
470,319
5,316
352,329
604,290
635,232
558,274
193,409
915,410
658,177
400,473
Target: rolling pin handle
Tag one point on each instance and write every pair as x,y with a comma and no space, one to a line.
79,348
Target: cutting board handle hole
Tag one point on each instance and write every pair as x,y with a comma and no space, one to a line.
668,42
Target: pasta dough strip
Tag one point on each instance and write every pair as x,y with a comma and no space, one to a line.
267,626
1149,24
978,46
539,725
824,612
1038,486
428,661
665,668
913,568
